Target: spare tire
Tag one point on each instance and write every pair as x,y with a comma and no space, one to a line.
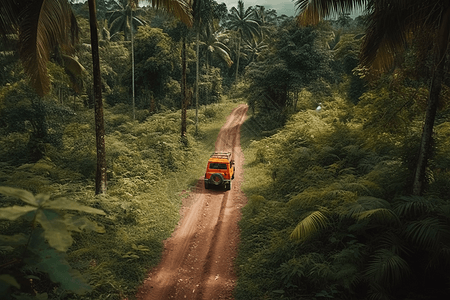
216,179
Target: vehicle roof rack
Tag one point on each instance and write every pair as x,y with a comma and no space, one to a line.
225,155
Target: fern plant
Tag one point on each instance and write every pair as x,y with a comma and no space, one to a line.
43,248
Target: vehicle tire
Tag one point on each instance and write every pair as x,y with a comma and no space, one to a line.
234,172
216,179
206,185
228,186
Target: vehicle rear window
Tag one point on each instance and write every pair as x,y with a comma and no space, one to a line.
217,166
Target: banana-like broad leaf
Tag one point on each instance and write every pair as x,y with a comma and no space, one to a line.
75,71
13,240
14,212
309,226
23,195
225,56
55,230
65,204
55,264
59,270
9,280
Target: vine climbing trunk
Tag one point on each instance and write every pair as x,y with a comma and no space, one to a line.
100,175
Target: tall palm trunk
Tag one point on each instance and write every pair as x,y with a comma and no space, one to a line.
433,101
183,87
238,55
132,65
100,175
196,80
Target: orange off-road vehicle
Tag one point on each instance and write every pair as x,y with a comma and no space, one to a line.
220,170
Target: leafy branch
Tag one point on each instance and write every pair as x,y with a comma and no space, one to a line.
50,237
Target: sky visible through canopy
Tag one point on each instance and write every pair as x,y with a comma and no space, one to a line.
283,7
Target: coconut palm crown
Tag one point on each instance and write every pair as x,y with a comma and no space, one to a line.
41,26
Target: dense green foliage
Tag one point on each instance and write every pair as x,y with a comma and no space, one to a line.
329,214
150,170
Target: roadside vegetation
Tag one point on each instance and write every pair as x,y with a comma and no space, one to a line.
329,214
346,145
334,207
150,171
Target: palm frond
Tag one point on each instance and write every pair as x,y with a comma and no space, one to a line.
428,233
364,204
380,215
391,241
413,206
75,71
445,211
312,11
179,8
381,43
309,226
203,13
9,12
224,54
387,269
45,24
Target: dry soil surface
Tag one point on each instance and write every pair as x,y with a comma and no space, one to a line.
198,259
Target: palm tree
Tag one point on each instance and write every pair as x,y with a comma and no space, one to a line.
254,47
265,18
395,234
384,39
213,43
181,10
45,24
41,25
123,20
244,22
203,13
100,174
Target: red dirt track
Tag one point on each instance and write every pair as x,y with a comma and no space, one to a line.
198,259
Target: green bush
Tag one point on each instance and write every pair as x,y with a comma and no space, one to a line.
328,214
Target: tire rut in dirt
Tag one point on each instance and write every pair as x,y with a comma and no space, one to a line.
207,267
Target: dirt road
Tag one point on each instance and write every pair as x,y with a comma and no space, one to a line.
197,262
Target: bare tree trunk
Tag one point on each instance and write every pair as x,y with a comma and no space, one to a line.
196,81
100,175
238,55
132,65
183,87
425,151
